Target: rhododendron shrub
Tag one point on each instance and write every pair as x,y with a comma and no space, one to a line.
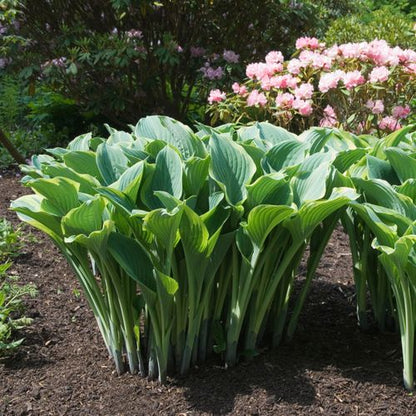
363,87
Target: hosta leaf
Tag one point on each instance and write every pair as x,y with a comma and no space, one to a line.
271,189
59,193
284,154
196,174
380,192
132,258
164,225
122,137
95,241
380,169
309,183
408,188
312,213
83,162
263,218
165,176
172,132
169,285
28,208
87,183
346,158
118,199
129,181
80,143
403,164
194,233
84,219
111,162
385,235
231,167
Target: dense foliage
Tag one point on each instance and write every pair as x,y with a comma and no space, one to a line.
188,243
395,27
123,59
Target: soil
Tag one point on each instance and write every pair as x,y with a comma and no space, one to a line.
330,367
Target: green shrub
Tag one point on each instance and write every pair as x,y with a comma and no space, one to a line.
395,28
124,59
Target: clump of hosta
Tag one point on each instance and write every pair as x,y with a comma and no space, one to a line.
362,87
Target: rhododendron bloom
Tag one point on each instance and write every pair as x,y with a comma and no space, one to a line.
216,96
304,107
389,123
329,112
401,112
212,73
379,74
376,107
304,91
330,118
260,70
330,80
350,50
306,42
353,79
274,57
239,89
285,100
231,57
256,98
283,81
294,66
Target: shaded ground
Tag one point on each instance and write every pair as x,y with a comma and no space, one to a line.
330,368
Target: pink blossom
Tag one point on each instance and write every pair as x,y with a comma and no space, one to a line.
389,123
216,96
379,74
274,57
294,66
330,80
321,61
329,112
256,98
330,117
236,88
283,81
304,107
304,91
306,42
354,50
353,79
260,70
285,100
332,52
376,107
379,52
400,112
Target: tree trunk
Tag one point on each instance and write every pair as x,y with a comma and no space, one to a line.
11,148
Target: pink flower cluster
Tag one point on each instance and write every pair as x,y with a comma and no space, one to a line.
326,86
215,96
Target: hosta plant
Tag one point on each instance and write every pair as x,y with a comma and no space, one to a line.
187,243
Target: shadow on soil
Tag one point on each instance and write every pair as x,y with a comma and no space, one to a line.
327,338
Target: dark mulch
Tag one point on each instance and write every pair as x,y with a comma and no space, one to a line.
330,368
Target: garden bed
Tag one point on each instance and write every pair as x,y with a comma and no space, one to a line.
331,367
